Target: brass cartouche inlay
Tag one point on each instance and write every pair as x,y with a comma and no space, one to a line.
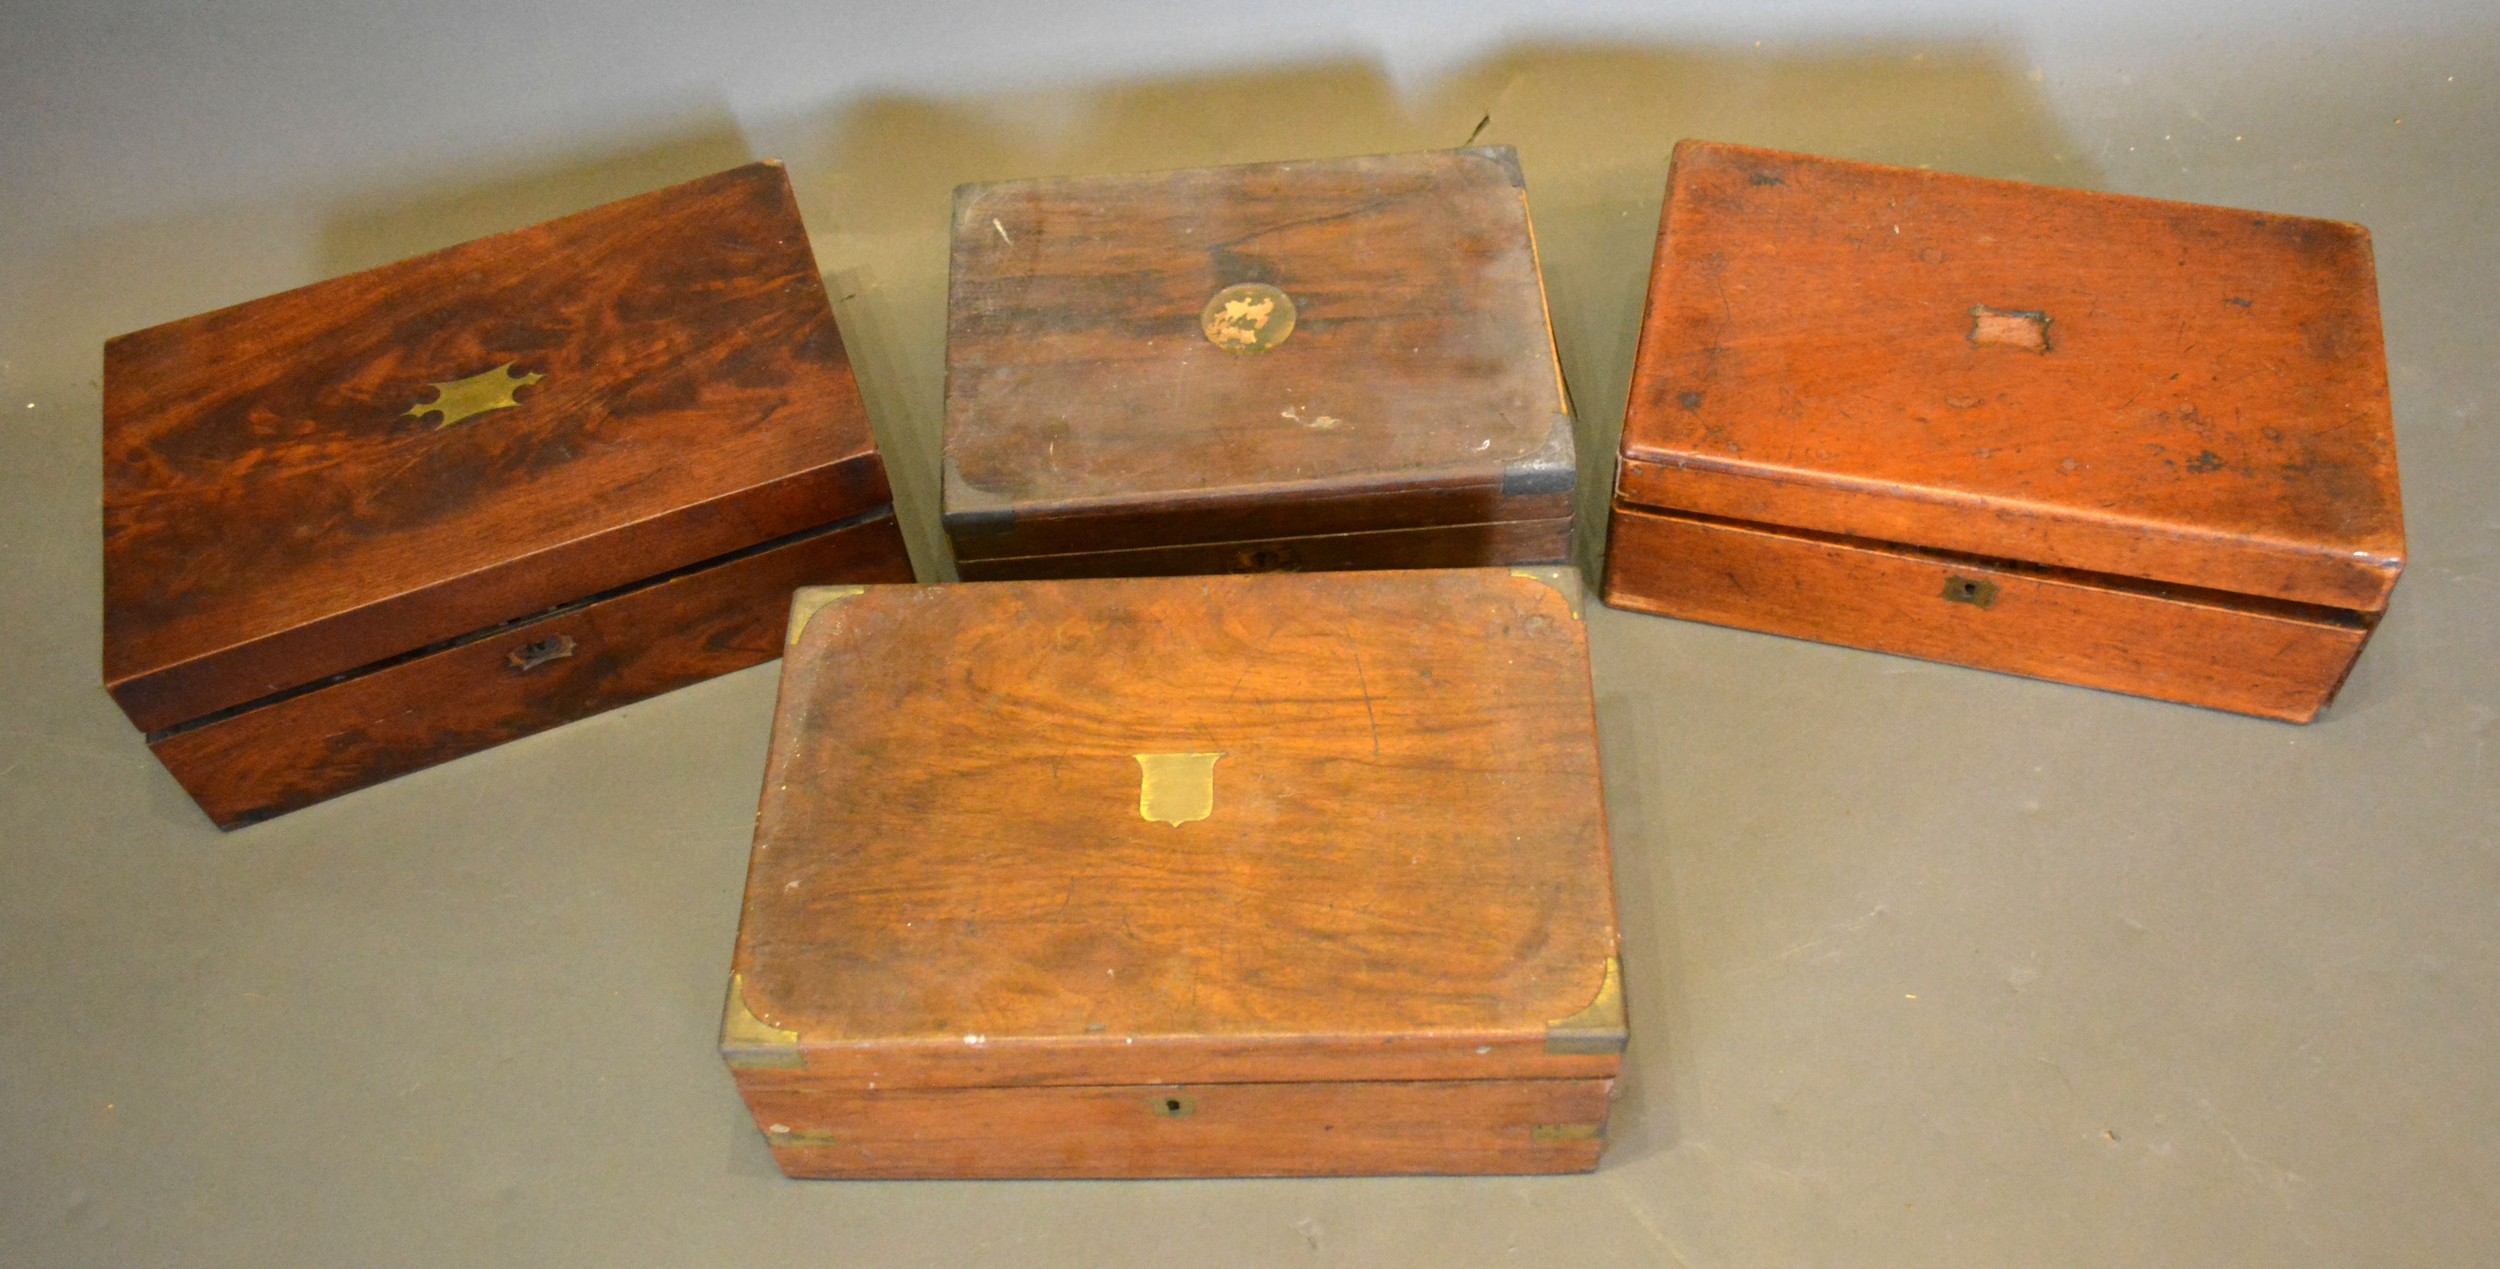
1250,317
467,398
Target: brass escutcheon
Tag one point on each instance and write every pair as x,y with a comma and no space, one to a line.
1267,559
530,656
1978,592
1247,317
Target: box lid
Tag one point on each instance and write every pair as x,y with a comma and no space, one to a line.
305,484
1244,352
2190,395
1247,828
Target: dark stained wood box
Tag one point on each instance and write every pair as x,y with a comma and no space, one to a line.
2135,445
396,517
1222,876
1336,364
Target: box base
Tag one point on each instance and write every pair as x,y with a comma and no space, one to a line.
1365,1128
2248,656
294,749
1437,546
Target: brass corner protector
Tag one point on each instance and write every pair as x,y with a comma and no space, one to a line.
1568,1132
1553,467
781,1136
807,601
1562,579
748,1043
966,510
1502,156
1598,1029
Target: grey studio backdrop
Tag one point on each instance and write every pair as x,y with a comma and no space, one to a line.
1926,966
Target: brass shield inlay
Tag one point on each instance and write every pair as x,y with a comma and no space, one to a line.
467,398
1176,788
1248,317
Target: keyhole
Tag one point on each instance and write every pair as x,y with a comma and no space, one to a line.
530,656
1270,559
1977,592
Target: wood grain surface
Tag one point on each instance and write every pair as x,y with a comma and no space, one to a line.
2184,394
1308,1129
274,514
1080,385
530,676
1404,874
2283,661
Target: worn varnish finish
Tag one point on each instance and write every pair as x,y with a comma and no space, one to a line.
2153,398
960,919
1089,411
516,680
319,482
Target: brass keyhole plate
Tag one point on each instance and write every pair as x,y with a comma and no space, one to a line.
1978,592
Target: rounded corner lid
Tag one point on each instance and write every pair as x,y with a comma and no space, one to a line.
2160,390
1088,364
1252,810
414,430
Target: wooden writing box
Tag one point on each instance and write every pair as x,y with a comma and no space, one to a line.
1230,876
1338,364
2135,445
389,519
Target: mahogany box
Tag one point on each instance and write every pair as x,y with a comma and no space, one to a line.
1224,876
385,520
2135,445
1337,364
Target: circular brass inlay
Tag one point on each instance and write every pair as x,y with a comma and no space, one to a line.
1248,317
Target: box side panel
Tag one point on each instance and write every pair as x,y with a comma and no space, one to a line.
1189,1130
1995,618
523,584
982,527
1450,546
2058,536
534,675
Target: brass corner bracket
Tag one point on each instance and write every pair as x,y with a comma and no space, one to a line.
807,601
749,1043
1562,579
1598,1029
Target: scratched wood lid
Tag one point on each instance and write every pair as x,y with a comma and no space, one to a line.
309,483
2153,390
1163,358
1278,827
